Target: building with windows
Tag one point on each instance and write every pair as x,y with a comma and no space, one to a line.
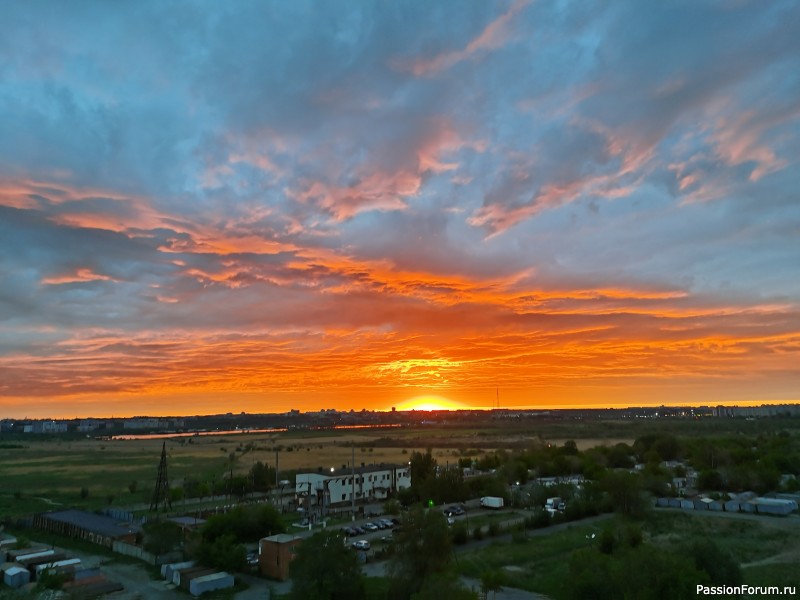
343,486
275,553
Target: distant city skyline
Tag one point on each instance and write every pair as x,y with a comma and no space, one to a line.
260,206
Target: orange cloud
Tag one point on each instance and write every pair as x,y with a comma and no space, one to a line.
495,35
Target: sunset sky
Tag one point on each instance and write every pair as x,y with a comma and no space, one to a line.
256,206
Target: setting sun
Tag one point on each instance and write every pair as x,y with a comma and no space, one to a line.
430,402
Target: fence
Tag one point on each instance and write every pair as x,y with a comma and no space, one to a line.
141,554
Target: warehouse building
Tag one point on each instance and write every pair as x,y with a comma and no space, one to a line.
92,527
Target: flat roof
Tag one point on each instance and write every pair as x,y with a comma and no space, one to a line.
282,538
359,470
95,523
187,520
773,502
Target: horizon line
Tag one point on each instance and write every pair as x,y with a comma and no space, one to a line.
754,404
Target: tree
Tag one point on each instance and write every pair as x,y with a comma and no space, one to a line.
223,553
709,479
644,573
422,550
722,569
392,507
491,581
262,477
246,524
423,473
324,568
161,537
626,493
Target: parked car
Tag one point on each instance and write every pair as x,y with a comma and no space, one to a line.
370,527
361,545
453,511
387,524
359,530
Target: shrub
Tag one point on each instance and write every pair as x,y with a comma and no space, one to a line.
607,541
541,518
460,534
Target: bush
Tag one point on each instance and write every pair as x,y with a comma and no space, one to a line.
477,534
494,528
541,518
223,553
161,537
460,534
519,537
246,524
633,535
607,541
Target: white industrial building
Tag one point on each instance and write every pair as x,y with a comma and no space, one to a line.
341,486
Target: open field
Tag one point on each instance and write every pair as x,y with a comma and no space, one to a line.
43,473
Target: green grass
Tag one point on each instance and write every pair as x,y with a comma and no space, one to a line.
377,587
779,574
541,564
486,519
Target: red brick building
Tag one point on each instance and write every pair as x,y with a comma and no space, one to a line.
275,553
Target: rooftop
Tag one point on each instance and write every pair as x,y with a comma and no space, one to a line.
95,523
282,538
339,472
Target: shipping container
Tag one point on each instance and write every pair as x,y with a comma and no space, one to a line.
16,577
209,583
168,571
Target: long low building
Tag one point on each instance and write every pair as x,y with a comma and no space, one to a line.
92,527
340,486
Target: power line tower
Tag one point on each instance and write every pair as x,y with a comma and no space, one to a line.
161,491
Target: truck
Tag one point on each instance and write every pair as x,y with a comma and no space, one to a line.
491,502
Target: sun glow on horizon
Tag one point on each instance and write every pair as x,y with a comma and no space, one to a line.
429,402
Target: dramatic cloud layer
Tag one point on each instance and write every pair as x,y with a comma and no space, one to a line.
270,205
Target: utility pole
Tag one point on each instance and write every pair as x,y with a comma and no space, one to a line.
353,480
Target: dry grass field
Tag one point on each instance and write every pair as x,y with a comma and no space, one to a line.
43,474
